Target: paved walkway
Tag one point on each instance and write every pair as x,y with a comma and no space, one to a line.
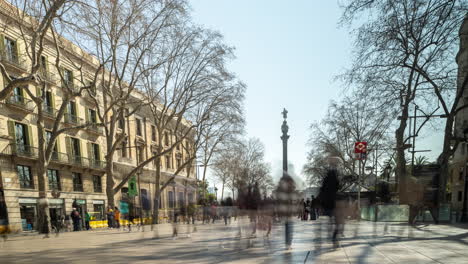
363,242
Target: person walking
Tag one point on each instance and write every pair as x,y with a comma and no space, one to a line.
117,217
213,212
314,211
110,217
87,220
328,197
75,216
286,200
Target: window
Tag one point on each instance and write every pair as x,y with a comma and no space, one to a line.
138,127
97,183
153,133
92,116
77,182
18,95
25,176
95,152
11,50
48,105
460,196
21,134
460,174
48,136
75,149
54,180
170,198
168,162
190,198
68,78
180,199
71,116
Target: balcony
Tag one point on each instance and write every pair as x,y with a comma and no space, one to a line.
12,60
69,85
30,152
21,103
49,111
73,119
47,76
94,128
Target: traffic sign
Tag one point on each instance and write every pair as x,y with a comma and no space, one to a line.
360,147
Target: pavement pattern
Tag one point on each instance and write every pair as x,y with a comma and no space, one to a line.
362,242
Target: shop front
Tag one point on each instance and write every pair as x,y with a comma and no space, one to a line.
28,212
80,206
56,210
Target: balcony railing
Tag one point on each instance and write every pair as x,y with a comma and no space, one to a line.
49,111
23,150
73,119
47,76
12,60
27,151
21,102
95,128
68,84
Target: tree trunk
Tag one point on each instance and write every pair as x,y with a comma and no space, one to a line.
157,192
110,183
222,191
400,171
43,215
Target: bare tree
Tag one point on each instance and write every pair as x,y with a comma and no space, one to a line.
404,49
122,35
349,121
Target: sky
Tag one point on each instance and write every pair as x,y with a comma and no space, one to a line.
288,53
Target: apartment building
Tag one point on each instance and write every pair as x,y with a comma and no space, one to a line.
459,162
76,173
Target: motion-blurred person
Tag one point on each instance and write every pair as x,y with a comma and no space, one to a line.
328,198
116,217
286,200
75,216
214,212
110,217
315,207
191,212
87,220
206,213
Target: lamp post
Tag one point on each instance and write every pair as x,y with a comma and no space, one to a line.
284,138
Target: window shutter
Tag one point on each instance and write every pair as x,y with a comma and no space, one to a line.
11,130
57,143
30,137
46,63
2,44
38,91
68,146
98,152
52,99
90,150
80,146
87,115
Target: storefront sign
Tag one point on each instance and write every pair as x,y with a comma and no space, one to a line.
27,200
81,202
55,201
98,202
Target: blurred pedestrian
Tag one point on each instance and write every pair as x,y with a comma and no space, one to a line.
75,216
214,214
286,196
110,217
117,217
315,207
328,198
87,220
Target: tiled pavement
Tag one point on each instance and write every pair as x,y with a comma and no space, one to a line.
363,242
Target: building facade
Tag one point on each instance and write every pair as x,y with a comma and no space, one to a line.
459,162
76,173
